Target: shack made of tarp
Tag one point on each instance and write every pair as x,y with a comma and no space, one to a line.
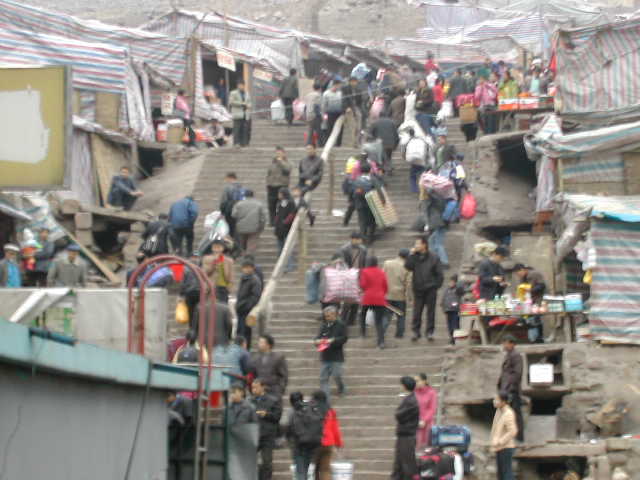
163,57
281,50
594,161
597,72
605,233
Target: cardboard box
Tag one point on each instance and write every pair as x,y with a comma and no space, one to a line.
541,374
468,114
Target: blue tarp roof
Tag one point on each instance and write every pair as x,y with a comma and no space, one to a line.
621,208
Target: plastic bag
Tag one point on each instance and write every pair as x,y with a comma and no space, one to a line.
468,207
376,108
370,318
182,312
298,109
277,110
446,111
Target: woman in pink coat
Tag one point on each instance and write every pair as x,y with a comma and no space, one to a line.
427,397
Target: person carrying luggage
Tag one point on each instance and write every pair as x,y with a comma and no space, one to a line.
373,282
363,185
304,433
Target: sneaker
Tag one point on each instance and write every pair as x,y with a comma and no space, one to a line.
381,346
415,339
430,338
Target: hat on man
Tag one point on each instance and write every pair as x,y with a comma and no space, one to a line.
509,339
10,247
73,247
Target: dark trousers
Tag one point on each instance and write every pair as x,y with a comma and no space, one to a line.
302,456
402,306
241,132
178,236
504,464
265,472
453,323
314,136
404,463
232,226
489,121
349,213
425,120
367,224
331,121
470,131
516,405
222,294
380,319
242,329
120,198
349,314
386,161
288,109
272,201
414,177
421,300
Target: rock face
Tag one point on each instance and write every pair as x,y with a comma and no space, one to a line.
360,20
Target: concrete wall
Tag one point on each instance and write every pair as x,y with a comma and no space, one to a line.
59,427
593,375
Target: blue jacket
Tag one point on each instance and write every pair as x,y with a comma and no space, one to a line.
183,213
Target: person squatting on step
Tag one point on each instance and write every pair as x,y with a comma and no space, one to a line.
330,343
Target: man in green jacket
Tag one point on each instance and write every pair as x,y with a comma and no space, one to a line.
240,106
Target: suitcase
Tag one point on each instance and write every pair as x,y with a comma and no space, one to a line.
458,436
384,214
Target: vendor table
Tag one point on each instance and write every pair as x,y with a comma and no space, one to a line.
503,115
482,320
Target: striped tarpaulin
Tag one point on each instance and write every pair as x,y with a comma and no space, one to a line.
598,68
594,168
163,55
97,67
615,291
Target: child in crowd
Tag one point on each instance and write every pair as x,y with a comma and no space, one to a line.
451,305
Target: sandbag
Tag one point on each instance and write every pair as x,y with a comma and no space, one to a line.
341,285
277,110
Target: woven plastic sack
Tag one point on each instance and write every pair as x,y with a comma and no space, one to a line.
442,186
341,285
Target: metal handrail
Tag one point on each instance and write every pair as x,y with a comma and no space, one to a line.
257,315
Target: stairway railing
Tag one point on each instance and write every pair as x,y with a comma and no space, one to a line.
259,315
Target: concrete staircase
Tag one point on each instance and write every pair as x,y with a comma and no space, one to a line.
371,375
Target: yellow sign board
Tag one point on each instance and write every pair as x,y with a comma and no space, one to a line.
35,126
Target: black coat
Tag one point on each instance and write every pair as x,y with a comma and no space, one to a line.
160,228
347,255
427,271
407,416
284,218
272,369
511,375
311,168
387,131
270,422
248,294
338,331
488,287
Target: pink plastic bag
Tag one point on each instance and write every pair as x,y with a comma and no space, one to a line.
298,109
468,207
442,186
376,108
341,285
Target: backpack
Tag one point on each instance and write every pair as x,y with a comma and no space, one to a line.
416,151
308,425
189,354
451,213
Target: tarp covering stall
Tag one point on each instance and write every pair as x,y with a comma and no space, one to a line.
597,71
281,50
96,66
163,56
612,252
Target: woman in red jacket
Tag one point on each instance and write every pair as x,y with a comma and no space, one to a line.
331,436
373,282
